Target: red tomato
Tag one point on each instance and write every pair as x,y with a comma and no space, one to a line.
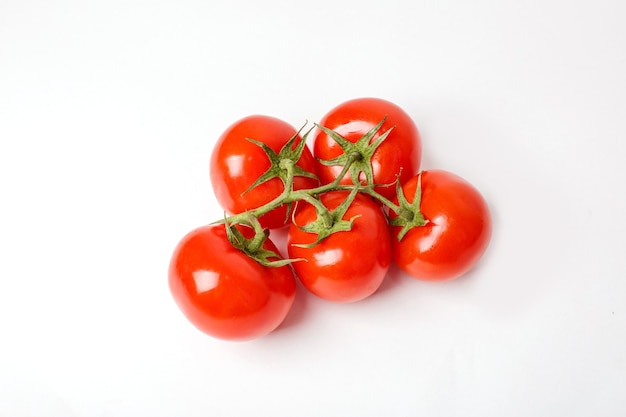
225,293
236,164
346,266
457,232
399,153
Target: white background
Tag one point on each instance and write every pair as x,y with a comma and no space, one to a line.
108,114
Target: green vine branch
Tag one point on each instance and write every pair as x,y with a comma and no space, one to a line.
355,160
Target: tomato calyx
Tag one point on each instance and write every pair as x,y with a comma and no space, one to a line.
357,154
288,155
253,247
408,213
328,221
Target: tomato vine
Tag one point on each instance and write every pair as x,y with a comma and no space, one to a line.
355,160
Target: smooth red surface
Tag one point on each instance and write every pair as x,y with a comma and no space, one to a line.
346,266
237,163
457,234
225,293
400,152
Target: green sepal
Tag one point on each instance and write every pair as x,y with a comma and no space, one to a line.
258,253
277,160
409,215
360,152
263,256
330,221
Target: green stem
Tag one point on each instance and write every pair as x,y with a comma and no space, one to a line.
260,235
393,207
334,185
321,209
283,198
289,195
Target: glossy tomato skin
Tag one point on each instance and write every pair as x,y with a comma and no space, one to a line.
225,293
346,266
237,163
400,152
456,235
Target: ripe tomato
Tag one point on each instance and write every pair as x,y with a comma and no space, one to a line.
346,266
457,232
236,164
399,153
225,293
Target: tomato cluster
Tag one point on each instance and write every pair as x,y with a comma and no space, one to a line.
352,206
